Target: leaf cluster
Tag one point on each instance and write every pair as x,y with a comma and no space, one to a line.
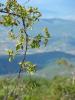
14,14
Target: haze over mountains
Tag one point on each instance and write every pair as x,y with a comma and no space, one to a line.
62,35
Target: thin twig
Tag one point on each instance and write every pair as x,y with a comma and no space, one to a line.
10,13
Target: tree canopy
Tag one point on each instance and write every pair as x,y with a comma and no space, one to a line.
13,14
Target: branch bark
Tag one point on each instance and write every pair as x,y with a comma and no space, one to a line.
10,13
26,44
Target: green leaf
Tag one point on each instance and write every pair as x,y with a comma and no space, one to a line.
22,38
45,41
10,52
18,46
11,35
28,66
47,34
35,43
38,37
11,55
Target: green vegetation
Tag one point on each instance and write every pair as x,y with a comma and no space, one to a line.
59,88
64,62
12,15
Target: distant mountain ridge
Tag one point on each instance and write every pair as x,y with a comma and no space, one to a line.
41,59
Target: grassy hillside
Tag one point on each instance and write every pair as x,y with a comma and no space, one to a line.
31,88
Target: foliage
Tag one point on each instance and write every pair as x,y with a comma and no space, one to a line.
35,88
64,62
13,14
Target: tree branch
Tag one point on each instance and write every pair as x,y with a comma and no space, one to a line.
10,13
26,44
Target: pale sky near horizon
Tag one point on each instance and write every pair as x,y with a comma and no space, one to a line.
53,8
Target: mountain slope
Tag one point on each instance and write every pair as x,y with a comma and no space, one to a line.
46,62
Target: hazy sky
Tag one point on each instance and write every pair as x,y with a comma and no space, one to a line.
53,8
